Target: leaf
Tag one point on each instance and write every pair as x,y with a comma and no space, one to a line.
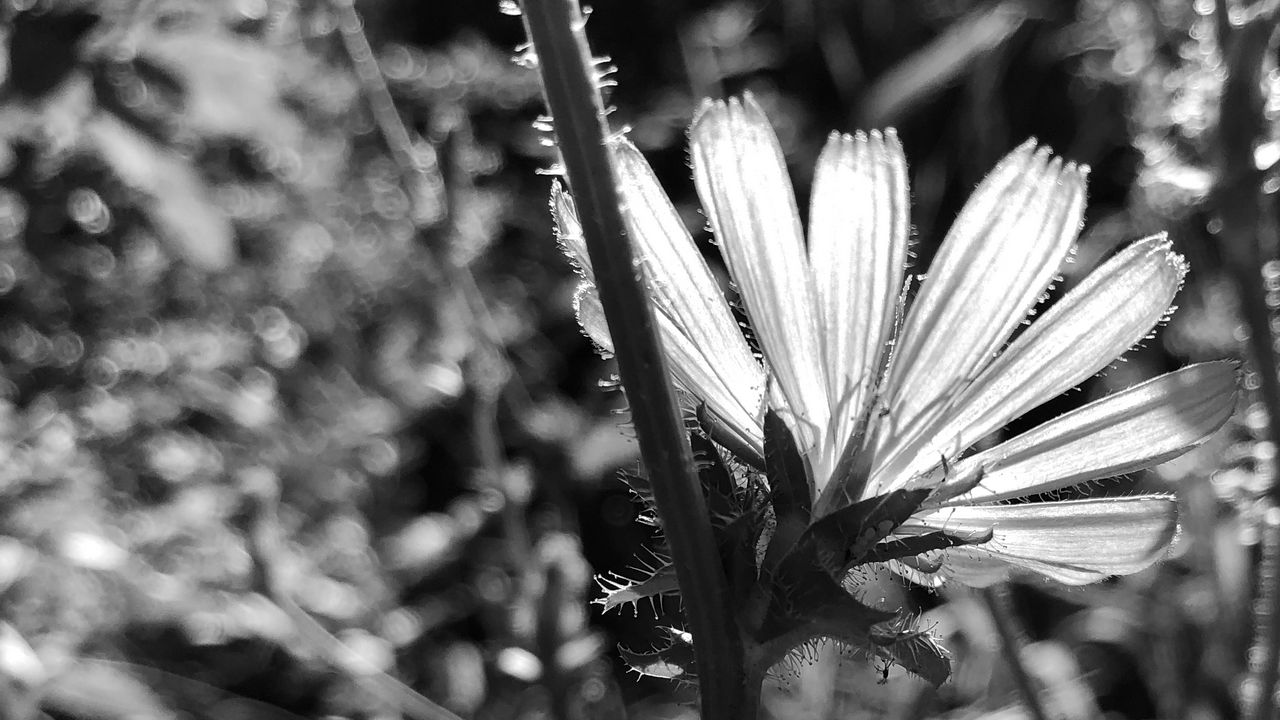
817,608
178,204
845,537
717,430
105,690
639,484
717,484
734,515
917,651
790,482
187,696
928,542
232,86
932,68
843,617
673,662
659,579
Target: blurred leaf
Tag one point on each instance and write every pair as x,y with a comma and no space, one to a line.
178,198
231,85
1065,691
194,697
932,68
103,691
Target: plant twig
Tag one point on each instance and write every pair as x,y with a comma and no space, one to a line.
1010,635
570,82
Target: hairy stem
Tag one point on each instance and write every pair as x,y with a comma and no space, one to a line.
570,82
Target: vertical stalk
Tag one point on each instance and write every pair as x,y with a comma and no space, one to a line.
413,174
488,369
1238,199
1258,698
556,29
1010,636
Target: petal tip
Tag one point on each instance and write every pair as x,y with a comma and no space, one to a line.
1076,171
1029,157
892,142
733,117
707,108
1023,152
1160,246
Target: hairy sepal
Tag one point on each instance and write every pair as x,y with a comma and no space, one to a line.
847,536
673,661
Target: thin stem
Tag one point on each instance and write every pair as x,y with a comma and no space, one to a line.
489,370
1011,644
373,85
1257,703
1238,197
568,73
269,554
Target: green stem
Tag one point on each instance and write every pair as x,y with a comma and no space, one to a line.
1011,645
568,73
1238,200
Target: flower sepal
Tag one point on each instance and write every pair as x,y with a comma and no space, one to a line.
673,661
787,572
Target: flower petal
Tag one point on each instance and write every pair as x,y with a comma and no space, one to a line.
1000,255
742,180
709,356
1114,308
684,289
732,399
1074,542
1142,426
859,227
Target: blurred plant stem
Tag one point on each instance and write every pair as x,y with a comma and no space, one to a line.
488,369
271,563
996,599
1247,230
571,81
421,176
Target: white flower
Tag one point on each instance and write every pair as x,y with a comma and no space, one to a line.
911,403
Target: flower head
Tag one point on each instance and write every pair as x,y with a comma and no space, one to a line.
887,406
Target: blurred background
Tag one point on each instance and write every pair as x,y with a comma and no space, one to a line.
296,420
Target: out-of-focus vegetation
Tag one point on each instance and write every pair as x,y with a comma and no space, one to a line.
295,418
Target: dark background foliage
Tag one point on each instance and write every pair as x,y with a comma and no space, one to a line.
245,360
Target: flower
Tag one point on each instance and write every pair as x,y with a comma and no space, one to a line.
880,401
